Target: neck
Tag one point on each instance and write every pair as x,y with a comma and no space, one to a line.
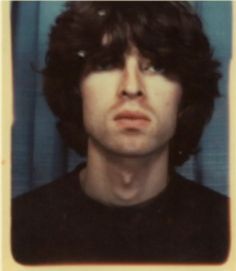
119,180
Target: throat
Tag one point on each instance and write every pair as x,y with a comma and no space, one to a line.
127,189
127,181
124,181
122,188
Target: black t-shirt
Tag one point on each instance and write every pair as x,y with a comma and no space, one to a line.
58,223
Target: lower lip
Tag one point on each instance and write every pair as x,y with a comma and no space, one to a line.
132,123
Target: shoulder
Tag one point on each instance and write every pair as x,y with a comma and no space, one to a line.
201,220
193,190
39,218
200,201
47,198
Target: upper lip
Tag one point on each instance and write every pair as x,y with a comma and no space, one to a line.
131,115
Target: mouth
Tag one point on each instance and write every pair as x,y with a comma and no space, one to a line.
132,119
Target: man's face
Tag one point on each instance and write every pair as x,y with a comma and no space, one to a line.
130,110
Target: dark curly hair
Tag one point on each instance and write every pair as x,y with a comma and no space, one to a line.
168,33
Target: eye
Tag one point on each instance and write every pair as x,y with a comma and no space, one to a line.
104,67
107,65
152,68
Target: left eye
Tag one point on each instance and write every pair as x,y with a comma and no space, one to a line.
151,68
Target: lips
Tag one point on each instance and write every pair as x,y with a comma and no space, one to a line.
132,116
132,119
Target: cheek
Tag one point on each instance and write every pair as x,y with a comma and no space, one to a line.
172,100
88,101
90,90
99,87
96,97
96,103
165,100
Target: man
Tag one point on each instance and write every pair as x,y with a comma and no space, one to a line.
133,84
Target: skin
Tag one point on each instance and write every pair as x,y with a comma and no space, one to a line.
130,115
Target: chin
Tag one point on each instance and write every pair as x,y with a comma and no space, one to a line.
131,147
133,152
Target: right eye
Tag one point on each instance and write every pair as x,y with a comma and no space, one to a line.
106,66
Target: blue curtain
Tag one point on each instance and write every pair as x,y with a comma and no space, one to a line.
39,156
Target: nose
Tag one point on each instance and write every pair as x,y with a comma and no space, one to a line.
131,86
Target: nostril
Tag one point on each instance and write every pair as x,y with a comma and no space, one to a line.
125,93
131,94
139,93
